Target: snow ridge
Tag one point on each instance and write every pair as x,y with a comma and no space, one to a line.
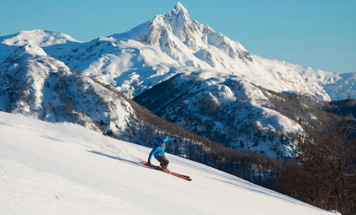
27,51
36,37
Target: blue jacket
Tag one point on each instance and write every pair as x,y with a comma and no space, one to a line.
159,146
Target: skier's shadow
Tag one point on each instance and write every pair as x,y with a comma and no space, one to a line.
114,157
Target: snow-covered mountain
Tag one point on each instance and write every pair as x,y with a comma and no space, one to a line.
37,37
186,41
219,86
64,168
173,43
228,111
33,83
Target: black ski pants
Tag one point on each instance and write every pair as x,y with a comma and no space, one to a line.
163,161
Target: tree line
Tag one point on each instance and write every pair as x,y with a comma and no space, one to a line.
324,173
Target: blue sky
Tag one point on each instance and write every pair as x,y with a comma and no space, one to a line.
316,33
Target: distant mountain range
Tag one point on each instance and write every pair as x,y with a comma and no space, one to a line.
179,69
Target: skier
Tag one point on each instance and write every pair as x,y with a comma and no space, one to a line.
158,152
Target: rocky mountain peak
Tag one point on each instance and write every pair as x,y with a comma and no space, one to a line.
179,8
176,21
180,11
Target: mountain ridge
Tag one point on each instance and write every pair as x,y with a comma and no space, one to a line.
38,37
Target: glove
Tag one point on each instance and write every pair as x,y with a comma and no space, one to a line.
175,140
149,163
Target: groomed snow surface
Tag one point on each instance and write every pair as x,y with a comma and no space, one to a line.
66,169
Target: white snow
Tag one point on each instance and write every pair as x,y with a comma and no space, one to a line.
66,169
27,51
36,37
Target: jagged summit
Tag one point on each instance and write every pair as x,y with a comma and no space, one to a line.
186,41
180,8
178,18
175,21
180,11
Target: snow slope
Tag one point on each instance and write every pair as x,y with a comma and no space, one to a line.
66,169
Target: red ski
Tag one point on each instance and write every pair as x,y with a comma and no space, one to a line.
185,177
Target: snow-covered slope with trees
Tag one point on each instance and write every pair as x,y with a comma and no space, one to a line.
64,168
230,112
35,84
